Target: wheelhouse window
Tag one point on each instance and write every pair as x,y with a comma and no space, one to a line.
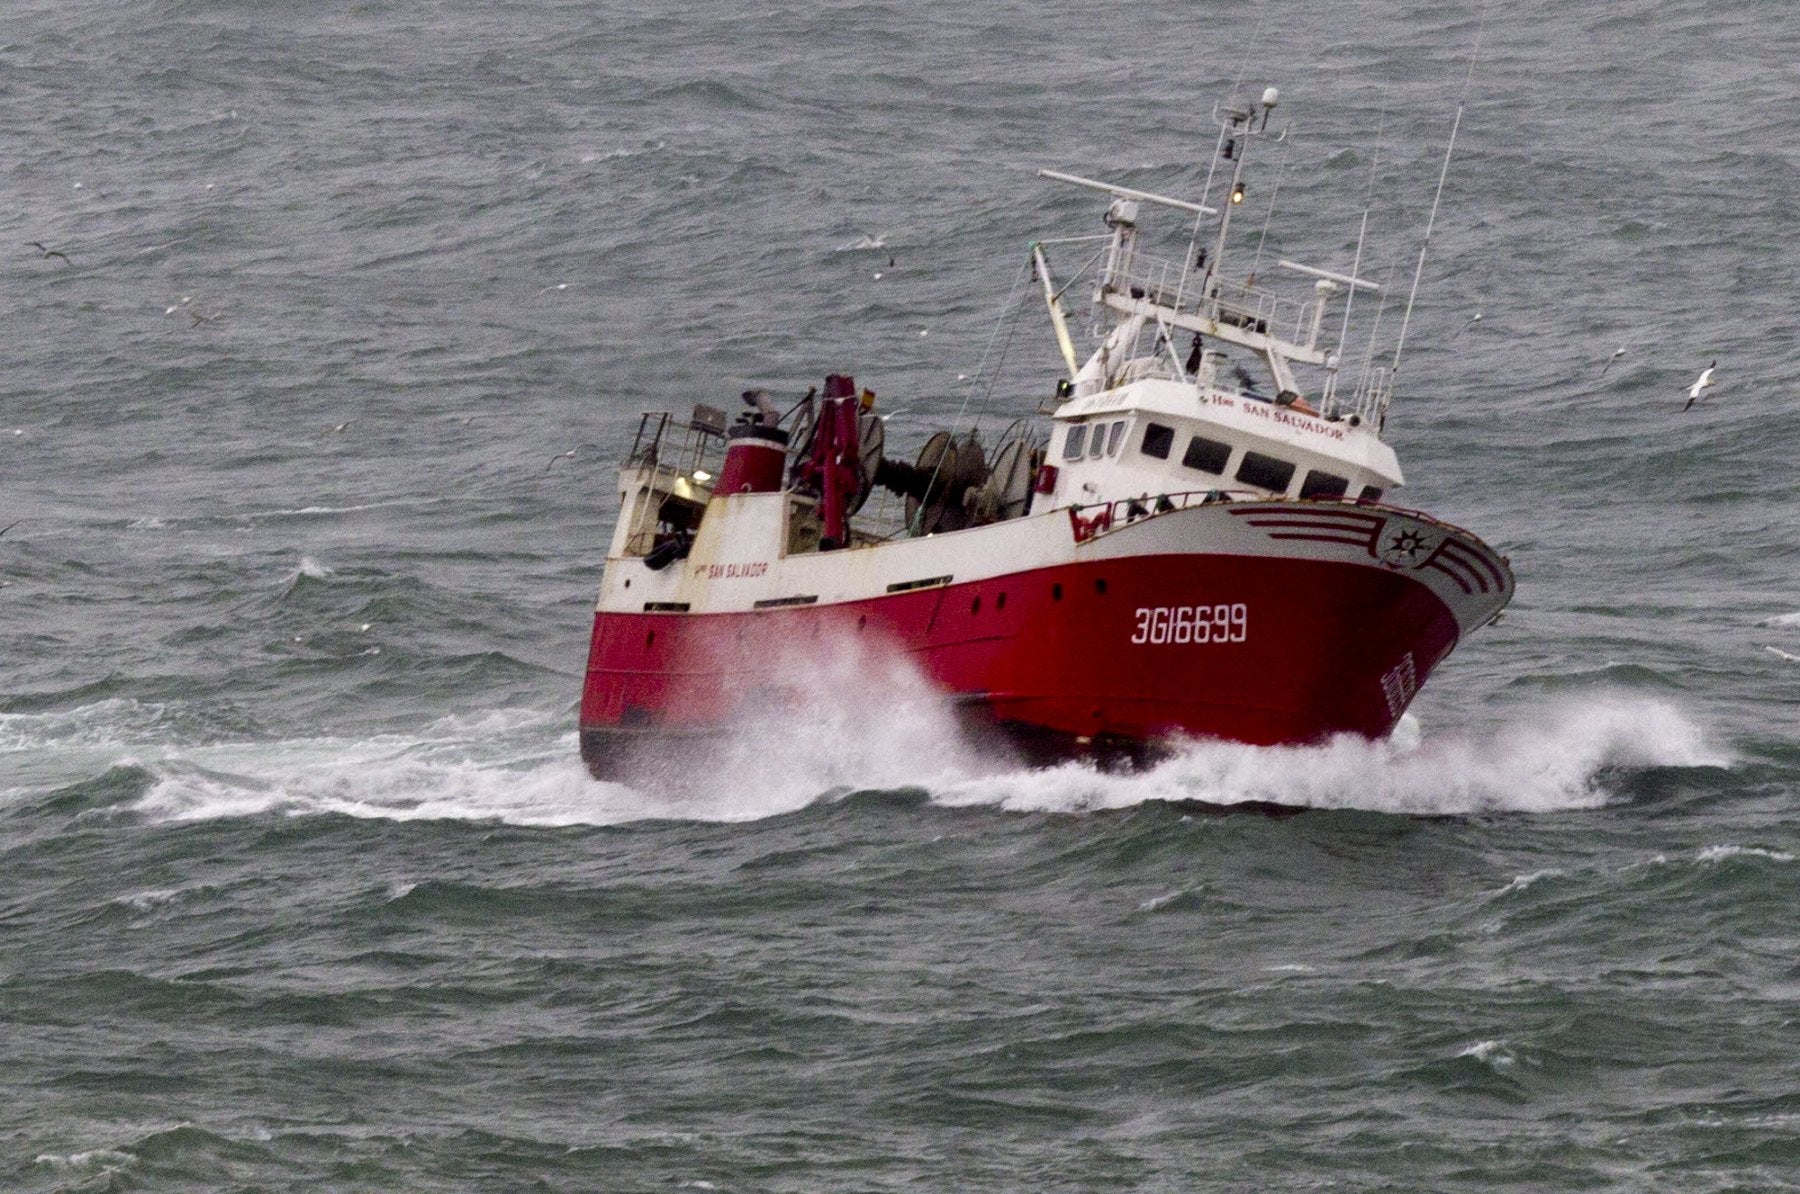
1097,442
1265,472
1323,485
1115,437
1206,455
1370,493
1073,440
1158,440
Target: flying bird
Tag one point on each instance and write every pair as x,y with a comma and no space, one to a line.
569,455
1700,384
1617,353
9,526
342,427
1469,322
44,252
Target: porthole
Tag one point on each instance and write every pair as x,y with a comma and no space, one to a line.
975,605
1100,585
1056,592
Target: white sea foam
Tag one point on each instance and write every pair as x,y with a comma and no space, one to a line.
104,1159
114,721
1493,1053
1163,901
1521,882
1785,621
1551,757
144,901
1721,853
520,766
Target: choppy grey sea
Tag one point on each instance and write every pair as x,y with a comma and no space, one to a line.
302,885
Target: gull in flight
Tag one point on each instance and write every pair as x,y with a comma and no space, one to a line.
569,455
341,427
47,253
1700,384
548,289
1617,353
1469,322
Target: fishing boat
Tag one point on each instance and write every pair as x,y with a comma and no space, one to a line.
1191,535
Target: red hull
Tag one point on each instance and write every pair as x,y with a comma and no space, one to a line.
1048,655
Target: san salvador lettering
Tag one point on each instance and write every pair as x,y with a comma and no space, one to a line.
1287,418
730,571
1160,624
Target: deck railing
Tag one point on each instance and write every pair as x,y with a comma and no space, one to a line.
1168,283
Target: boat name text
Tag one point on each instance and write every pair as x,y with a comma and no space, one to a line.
730,571
1287,418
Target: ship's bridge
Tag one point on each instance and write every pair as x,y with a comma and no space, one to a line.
1162,430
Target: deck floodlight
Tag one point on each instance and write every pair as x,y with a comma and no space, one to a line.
1237,192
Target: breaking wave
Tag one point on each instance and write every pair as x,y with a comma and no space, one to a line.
521,767
1554,757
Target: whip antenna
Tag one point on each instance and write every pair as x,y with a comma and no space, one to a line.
1443,173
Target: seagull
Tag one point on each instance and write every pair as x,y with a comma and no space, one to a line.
43,252
1617,353
341,427
200,319
548,289
1700,384
1469,322
1777,651
569,455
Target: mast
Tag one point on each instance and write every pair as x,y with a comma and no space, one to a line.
1237,128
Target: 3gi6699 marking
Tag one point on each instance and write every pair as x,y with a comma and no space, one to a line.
1160,624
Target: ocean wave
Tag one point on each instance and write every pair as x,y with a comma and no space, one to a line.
115,721
521,767
1552,757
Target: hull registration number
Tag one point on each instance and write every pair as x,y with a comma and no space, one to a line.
1158,624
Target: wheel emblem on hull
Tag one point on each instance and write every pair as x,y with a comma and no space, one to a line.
1407,547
